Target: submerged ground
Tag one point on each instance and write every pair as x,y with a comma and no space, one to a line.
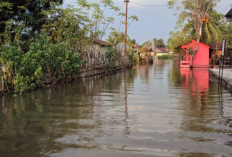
153,110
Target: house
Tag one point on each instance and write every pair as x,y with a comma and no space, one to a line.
215,53
161,51
228,16
95,53
201,58
101,46
136,47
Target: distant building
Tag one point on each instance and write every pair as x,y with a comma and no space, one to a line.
228,16
136,46
161,50
201,58
101,46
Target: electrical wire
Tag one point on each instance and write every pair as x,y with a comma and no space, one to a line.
164,5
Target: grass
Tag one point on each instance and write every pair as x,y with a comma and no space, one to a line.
166,56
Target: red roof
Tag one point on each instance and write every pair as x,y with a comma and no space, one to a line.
163,50
101,42
136,46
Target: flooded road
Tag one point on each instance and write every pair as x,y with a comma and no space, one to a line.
154,110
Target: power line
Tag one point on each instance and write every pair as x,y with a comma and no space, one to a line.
164,5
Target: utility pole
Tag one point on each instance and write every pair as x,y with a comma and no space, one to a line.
125,33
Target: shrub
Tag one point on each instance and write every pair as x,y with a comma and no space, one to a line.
44,62
111,56
132,59
166,56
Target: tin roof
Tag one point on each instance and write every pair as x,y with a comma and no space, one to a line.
229,14
164,50
101,42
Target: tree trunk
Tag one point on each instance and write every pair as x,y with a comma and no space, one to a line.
192,54
191,61
198,40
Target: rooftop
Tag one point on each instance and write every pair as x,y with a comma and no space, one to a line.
164,50
229,14
101,42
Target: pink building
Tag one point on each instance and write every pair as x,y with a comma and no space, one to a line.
201,58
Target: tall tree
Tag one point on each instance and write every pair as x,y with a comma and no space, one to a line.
211,34
154,43
176,39
115,37
195,11
160,43
29,11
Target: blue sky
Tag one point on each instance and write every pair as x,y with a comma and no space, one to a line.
154,21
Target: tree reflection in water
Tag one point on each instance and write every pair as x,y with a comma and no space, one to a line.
61,117
157,109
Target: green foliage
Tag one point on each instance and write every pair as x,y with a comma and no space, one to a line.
166,56
132,59
146,44
199,21
63,25
43,43
25,10
195,12
6,6
44,63
160,43
111,57
94,16
176,39
115,38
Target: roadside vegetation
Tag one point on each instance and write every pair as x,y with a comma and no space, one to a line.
42,43
166,56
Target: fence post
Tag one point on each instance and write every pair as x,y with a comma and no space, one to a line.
2,83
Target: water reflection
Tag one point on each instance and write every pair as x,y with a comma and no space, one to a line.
201,120
127,128
195,101
220,100
154,110
225,110
196,86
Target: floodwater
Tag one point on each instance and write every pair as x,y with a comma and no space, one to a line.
154,110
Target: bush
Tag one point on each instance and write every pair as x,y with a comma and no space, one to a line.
44,62
132,59
111,57
166,56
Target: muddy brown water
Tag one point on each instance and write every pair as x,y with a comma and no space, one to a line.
153,110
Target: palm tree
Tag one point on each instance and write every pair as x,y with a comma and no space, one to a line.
154,41
160,43
116,37
211,34
176,39
197,11
145,47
